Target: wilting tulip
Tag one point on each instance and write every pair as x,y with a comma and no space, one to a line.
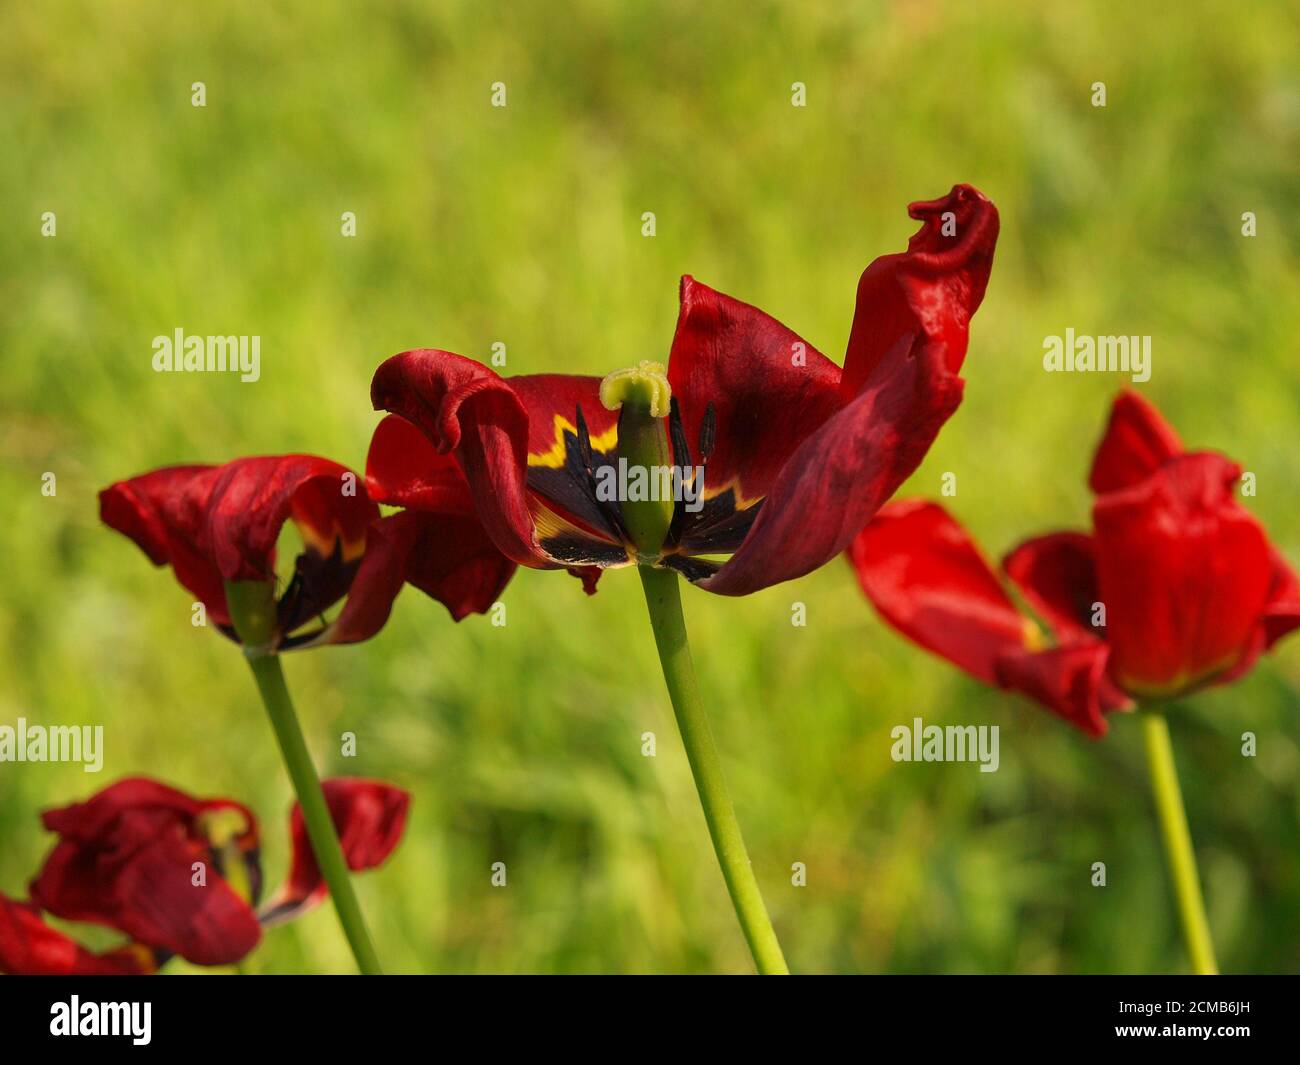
751,444
219,524
1177,588
178,875
797,453
217,527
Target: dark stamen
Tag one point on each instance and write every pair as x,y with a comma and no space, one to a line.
677,433
681,460
609,509
708,432
584,442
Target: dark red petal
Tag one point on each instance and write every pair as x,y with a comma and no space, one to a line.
552,401
926,577
447,556
89,821
136,509
466,409
841,474
769,389
1058,577
1137,442
453,561
253,498
102,814
589,575
1069,680
931,290
159,904
404,469
1281,616
369,817
30,947
900,383
1185,573
150,895
221,523
164,512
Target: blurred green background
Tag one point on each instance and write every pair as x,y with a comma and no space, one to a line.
523,225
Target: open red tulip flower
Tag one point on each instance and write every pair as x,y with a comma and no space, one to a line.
179,876
1176,588
219,524
750,460
795,453
217,527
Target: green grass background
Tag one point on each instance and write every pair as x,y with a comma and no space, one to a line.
523,225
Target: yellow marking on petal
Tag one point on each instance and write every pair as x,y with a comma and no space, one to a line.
742,502
554,458
235,873
323,544
549,525
354,549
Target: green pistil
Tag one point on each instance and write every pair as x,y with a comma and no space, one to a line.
642,396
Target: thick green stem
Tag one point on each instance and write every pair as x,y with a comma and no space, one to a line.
315,813
1178,843
663,598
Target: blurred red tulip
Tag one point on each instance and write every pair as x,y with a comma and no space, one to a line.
156,864
1177,588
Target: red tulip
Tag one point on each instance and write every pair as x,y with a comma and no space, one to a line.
155,863
1177,588
798,453
214,524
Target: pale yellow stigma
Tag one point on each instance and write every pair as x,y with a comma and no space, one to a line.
646,385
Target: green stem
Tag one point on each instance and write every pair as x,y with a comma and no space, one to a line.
315,813
663,599
1178,843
